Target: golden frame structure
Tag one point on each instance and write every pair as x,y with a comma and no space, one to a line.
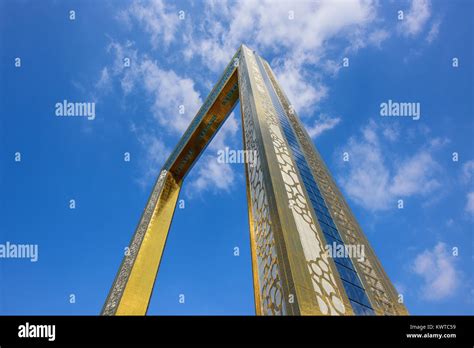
292,273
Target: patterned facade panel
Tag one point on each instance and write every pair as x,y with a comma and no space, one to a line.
376,282
270,283
326,292
279,211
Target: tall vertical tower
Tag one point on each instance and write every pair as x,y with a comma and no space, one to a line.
295,211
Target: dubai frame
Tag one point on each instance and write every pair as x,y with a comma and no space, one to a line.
295,209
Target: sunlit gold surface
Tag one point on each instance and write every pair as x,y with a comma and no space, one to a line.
253,243
381,292
207,128
133,286
292,275
139,287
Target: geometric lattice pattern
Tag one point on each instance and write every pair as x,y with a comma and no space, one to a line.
292,272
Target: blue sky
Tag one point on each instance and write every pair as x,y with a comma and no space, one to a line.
176,62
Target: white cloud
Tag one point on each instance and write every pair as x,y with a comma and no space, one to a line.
401,288
157,19
415,18
314,22
322,124
434,31
104,83
372,183
211,175
302,95
437,143
225,134
331,67
368,177
169,91
222,30
391,132
467,177
156,152
304,46
378,36
470,203
468,171
437,269
128,75
266,27
414,176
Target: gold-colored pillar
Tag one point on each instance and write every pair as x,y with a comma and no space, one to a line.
132,288
381,292
292,273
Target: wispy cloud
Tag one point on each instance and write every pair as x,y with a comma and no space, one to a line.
437,269
298,32
374,183
470,203
415,18
323,124
391,132
170,91
214,39
209,174
159,19
467,177
155,153
434,31
415,175
302,94
378,36
104,84
173,100
468,171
